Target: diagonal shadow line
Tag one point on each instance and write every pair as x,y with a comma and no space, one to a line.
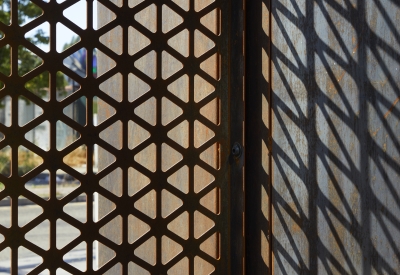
388,235
392,27
334,29
338,240
353,168
278,247
351,115
387,181
288,40
289,139
329,205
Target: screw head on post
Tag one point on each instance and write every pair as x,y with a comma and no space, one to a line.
236,150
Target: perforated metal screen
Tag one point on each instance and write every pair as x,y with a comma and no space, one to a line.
148,157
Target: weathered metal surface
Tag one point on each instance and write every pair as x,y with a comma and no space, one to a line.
200,124
335,137
170,107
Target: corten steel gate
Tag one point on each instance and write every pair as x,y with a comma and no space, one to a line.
169,110
322,142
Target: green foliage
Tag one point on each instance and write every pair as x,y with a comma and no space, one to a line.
27,61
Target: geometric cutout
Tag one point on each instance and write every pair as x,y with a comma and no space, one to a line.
39,85
211,66
136,87
147,204
202,88
113,87
61,32
170,111
170,65
131,4
202,43
65,233
79,111
113,230
132,267
180,42
136,181
27,111
107,207
65,135
77,159
146,18
108,135
40,185
211,111
107,254
113,40
5,161
170,157
107,62
78,8
170,203
202,134
136,134
77,63
106,159
147,157
104,110
77,208
209,246
65,184
180,88
105,19
5,17
180,134
201,4
147,64
210,21
27,160
38,237
180,179
27,12
136,229
202,224
147,111
27,260
211,156
169,249
147,251
37,36
204,267
180,226
201,179
211,200
182,267
137,41
170,19
70,257
62,91
5,68
113,182
5,220
184,4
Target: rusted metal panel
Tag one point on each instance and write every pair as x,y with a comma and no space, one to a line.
202,175
335,137
166,195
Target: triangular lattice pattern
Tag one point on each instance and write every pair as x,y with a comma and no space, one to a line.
146,166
